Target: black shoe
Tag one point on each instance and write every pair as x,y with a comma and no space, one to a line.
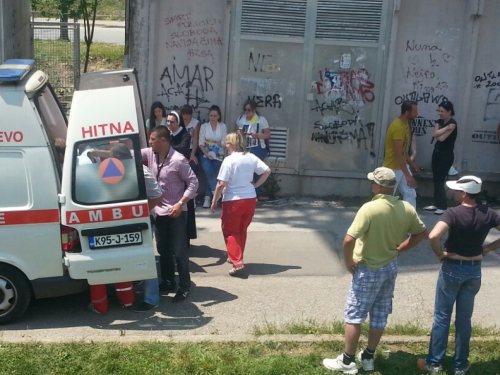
180,296
143,307
167,287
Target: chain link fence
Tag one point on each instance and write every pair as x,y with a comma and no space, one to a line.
56,48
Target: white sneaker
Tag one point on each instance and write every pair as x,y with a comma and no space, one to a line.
207,203
368,364
337,364
438,212
452,171
430,208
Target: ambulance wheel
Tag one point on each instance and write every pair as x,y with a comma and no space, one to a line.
15,294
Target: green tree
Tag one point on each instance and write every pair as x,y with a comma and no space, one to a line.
84,9
65,9
88,11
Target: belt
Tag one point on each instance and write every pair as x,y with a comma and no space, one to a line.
476,262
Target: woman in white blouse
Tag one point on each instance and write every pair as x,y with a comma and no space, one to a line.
238,202
212,143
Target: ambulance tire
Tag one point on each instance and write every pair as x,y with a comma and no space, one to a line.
15,294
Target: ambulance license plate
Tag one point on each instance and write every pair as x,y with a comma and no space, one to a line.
115,240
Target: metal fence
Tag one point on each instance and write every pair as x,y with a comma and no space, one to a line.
56,47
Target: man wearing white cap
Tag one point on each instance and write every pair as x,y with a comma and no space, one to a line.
460,277
371,247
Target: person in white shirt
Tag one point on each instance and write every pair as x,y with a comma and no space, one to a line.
238,201
256,130
212,144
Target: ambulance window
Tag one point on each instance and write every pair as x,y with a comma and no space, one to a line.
106,171
14,182
51,113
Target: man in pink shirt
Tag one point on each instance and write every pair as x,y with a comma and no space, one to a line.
178,184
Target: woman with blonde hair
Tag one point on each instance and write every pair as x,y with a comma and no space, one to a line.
235,184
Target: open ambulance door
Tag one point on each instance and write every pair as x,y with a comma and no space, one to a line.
103,195
118,78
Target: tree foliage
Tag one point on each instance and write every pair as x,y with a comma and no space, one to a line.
65,9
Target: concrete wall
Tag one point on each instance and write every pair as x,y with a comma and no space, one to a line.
180,49
429,51
15,35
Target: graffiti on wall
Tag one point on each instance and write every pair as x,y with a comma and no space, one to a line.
187,83
425,67
188,68
257,63
197,35
487,79
341,123
265,92
350,85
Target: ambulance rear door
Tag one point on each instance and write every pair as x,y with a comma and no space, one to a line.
118,78
103,195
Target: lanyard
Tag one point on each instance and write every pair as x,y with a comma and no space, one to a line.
159,167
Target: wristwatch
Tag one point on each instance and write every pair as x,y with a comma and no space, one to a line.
182,203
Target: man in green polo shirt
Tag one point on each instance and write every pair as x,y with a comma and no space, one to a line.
371,247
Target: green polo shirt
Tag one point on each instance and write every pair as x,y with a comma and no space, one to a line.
379,228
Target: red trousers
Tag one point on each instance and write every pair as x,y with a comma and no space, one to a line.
236,217
99,295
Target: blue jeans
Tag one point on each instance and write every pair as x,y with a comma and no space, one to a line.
456,284
261,153
151,291
211,169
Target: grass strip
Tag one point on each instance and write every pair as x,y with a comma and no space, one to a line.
247,358
313,327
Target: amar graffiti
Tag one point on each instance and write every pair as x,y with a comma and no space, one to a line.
188,84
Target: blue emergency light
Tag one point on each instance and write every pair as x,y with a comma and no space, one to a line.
15,69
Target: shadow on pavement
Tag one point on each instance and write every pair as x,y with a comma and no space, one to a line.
72,311
205,257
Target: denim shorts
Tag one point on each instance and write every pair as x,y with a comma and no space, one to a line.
372,291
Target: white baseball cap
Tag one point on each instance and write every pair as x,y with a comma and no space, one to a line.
469,184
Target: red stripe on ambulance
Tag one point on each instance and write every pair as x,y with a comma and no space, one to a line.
29,217
107,214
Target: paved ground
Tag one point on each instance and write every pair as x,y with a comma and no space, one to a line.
295,273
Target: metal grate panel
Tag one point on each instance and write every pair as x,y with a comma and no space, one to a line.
276,17
278,143
357,20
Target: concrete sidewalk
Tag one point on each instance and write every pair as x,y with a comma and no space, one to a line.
296,273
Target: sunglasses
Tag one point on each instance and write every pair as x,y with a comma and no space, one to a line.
248,109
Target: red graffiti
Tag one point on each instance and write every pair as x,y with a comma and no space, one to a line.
349,84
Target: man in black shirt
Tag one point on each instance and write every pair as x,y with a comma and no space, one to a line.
460,277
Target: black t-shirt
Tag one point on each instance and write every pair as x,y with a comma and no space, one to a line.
449,143
469,227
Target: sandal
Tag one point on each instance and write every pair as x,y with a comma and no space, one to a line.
235,271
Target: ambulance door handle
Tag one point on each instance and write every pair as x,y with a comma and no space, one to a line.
62,198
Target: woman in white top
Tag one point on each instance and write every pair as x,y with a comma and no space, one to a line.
157,116
256,130
238,202
212,142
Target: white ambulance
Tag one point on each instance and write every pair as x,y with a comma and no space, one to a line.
66,222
